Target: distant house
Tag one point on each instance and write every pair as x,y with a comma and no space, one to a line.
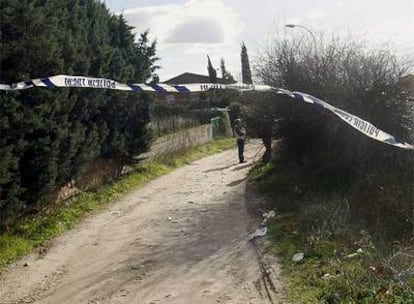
185,78
191,78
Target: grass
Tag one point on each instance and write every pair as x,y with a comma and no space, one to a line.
334,271
217,146
341,263
28,235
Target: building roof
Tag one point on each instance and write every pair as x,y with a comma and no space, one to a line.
191,78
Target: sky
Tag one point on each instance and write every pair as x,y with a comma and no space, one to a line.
187,31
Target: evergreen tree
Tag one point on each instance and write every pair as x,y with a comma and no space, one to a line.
246,73
223,69
212,74
48,137
227,77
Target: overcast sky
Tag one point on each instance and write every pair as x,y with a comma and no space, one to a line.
187,30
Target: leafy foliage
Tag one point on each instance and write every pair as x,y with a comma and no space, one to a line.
48,137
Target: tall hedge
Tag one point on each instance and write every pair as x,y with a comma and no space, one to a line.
48,137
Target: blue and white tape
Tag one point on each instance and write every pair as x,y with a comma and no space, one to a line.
67,81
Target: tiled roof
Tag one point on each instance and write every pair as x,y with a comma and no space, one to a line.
191,78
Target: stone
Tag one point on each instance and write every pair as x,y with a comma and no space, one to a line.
298,257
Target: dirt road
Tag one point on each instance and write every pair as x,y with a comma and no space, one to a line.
182,238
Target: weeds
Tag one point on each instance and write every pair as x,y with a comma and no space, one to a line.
342,263
335,270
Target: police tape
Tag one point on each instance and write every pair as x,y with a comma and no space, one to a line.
67,81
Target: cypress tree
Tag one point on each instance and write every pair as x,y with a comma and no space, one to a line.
48,137
227,77
212,74
246,73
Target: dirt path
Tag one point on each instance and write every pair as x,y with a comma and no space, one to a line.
182,238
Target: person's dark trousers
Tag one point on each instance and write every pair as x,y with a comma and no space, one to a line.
240,145
267,142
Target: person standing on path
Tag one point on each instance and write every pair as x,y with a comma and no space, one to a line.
240,133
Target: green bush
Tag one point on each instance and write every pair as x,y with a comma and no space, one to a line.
48,137
224,126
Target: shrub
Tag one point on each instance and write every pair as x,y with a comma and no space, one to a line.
330,153
48,137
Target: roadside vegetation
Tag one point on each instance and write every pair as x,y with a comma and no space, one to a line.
48,138
343,200
342,262
35,231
